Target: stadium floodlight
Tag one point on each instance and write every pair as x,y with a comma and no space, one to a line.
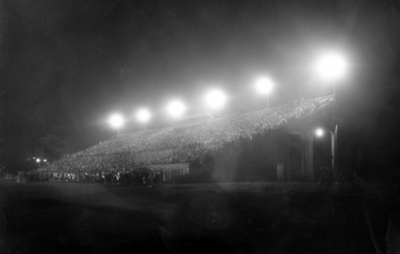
331,65
37,160
116,121
143,115
45,160
264,85
216,99
176,108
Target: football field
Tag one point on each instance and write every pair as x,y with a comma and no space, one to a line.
57,217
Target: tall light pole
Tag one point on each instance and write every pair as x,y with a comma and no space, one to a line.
332,66
264,86
143,115
116,121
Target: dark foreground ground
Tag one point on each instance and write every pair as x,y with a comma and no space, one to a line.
208,218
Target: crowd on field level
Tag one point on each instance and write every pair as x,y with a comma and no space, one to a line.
141,176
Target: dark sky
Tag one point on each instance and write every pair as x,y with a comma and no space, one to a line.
72,63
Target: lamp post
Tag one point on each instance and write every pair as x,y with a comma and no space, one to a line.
264,86
332,66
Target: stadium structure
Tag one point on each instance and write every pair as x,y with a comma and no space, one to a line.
274,144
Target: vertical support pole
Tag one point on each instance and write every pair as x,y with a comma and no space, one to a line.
288,156
303,154
335,132
333,153
334,148
310,156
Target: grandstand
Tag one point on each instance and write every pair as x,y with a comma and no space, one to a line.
209,148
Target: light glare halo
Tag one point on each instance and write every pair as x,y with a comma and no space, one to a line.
331,66
216,99
143,115
116,120
264,85
176,108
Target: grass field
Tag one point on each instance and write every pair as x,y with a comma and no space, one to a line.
198,218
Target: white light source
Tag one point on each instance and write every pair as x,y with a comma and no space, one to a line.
116,120
176,108
216,99
143,115
319,132
264,85
44,160
37,160
331,65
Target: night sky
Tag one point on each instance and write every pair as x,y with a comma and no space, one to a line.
70,64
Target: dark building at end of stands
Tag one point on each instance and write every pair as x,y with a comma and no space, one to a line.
282,154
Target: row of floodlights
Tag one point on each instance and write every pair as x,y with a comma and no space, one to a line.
215,99
330,66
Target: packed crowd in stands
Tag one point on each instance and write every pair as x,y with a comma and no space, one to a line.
142,176
177,145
